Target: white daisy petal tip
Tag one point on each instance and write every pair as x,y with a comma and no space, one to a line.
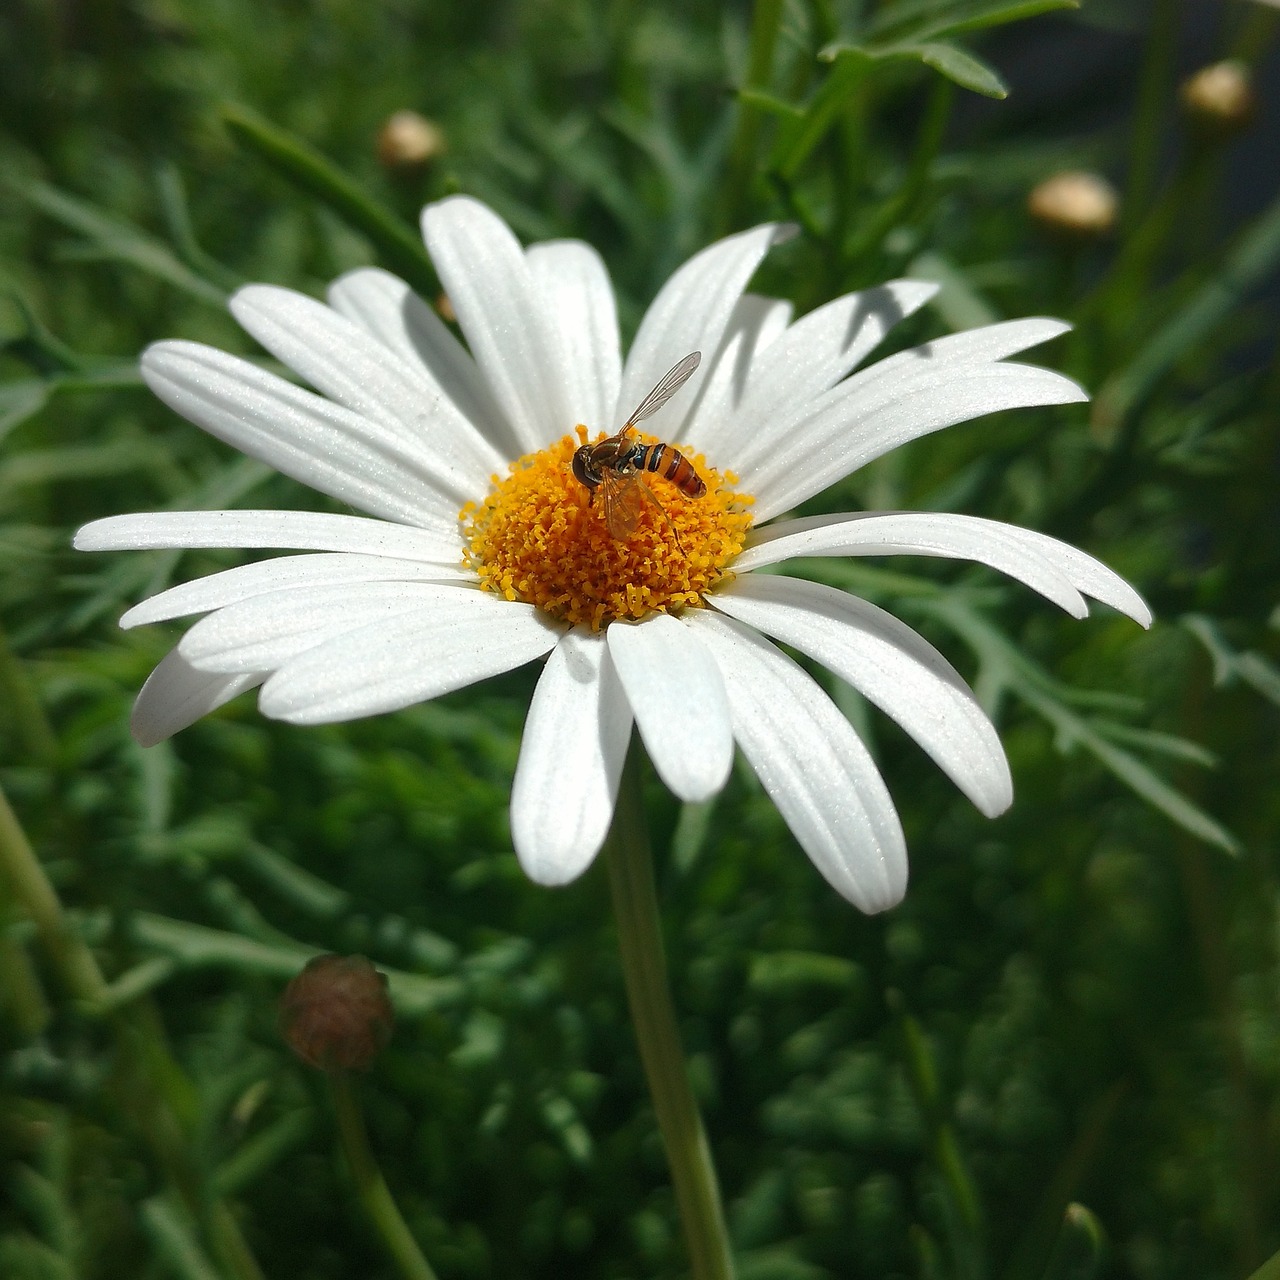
1125,599
571,756
249,297
551,866
679,701
175,695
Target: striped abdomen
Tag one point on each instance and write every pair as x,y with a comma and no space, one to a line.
672,465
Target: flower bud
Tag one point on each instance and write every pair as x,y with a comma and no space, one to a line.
336,1014
1219,99
409,141
1074,205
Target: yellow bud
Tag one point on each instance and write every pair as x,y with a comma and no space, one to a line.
1074,205
1219,99
409,141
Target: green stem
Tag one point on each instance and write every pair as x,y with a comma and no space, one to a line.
148,1069
371,1186
765,20
318,176
635,907
29,720
38,898
1153,95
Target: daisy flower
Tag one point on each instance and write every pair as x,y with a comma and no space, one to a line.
484,548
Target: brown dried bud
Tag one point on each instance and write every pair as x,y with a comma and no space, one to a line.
336,1015
409,141
1219,99
445,308
1074,205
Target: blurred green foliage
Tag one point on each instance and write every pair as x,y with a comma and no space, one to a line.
1077,1005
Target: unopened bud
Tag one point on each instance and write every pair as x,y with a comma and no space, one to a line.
409,141
336,1014
1219,99
1074,205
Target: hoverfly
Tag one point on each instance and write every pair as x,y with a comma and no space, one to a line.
613,466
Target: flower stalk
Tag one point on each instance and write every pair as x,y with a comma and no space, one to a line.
635,906
159,1094
371,1186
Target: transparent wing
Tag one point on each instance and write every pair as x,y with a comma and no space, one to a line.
672,381
623,498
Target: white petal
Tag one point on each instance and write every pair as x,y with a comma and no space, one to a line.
263,632
713,424
890,665
1005,547
575,741
573,280
853,425
691,313
176,695
815,353
1087,573
262,530
677,695
984,345
1057,570
303,435
384,306
505,319
453,640
811,763
249,580
338,358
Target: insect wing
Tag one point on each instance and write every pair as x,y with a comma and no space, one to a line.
623,497
672,381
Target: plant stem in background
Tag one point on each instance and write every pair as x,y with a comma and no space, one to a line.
317,175
635,907
148,1073
371,1186
765,20
1159,64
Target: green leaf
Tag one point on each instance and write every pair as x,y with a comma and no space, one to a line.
1270,1270
921,20
770,104
175,1239
1261,675
1167,744
1023,678
260,1153
961,68
957,301
950,60
782,972
1229,665
317,175
117,241
797,138
1136,775
1081,1245
20,401
195,946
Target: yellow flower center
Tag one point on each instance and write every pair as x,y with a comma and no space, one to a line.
541,536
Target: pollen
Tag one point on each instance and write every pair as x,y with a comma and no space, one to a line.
540,536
